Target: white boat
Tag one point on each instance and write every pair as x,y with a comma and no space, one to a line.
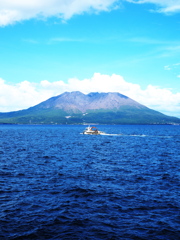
92,131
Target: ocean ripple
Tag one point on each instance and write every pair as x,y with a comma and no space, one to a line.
56,183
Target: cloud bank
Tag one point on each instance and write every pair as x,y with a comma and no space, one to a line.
27,94
163,6
12,11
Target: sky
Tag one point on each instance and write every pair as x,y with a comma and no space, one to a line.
48,47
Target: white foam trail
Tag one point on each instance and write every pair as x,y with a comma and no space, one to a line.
129,135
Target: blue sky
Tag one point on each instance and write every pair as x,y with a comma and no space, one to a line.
48,47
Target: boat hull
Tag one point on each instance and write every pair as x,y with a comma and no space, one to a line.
92,133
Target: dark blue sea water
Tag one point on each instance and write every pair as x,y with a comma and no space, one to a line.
56,183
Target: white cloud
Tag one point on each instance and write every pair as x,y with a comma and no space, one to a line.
12,11
167,67
174,67
164,6
26,94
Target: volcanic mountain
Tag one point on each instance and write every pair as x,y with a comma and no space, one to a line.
79,108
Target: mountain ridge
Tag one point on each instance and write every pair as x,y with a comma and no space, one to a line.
78,108
92,101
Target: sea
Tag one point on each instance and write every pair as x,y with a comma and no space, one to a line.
56,183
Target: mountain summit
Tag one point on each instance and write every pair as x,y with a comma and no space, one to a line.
77,102
79,108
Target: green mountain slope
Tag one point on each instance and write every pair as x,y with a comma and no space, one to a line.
78,108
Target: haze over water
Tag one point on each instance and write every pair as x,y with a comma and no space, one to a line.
56,183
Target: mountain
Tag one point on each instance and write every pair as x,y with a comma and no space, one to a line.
78,108
76,102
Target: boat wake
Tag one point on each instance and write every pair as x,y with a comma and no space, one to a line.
111,134
123,135
132,135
